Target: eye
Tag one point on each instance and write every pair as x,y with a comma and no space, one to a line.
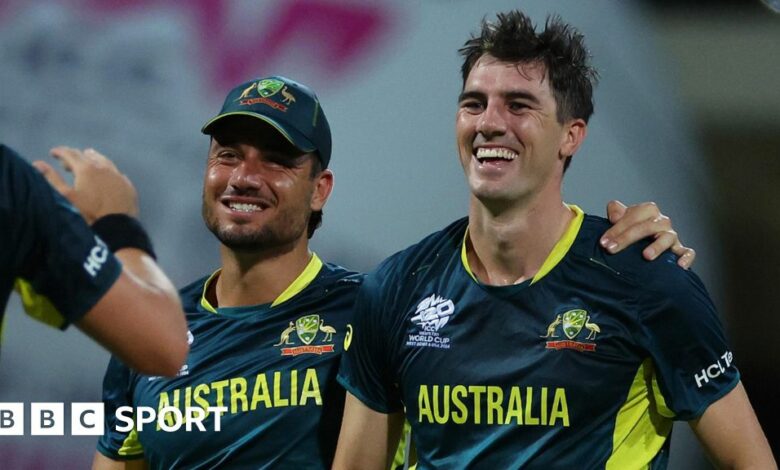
516,106
278,159
226,155
471,106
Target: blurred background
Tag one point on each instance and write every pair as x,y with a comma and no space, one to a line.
686,115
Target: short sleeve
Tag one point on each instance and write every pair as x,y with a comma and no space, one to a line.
366,366
684,336
61,267
117,392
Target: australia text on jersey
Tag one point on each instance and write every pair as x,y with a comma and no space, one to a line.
275,389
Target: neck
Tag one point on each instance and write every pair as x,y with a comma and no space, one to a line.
510,245
259,277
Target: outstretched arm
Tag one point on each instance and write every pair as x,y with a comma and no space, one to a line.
637,222
140,317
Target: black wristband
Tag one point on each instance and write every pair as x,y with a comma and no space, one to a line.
123,231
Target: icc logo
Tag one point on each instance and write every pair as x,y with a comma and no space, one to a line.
433,313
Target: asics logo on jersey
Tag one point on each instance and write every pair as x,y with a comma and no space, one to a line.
433,313
348,337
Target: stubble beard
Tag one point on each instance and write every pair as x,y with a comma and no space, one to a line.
288,227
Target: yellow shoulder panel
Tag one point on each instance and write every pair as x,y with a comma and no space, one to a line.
38,306
640,427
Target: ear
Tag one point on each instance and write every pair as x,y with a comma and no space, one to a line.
574,133
323,185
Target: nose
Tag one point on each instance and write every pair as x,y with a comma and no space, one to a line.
246,176
491,121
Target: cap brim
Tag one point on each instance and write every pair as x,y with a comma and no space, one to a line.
288,132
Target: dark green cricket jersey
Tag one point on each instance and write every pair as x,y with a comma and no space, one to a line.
273,366
57,264
584,366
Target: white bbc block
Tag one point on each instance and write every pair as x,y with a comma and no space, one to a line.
47,419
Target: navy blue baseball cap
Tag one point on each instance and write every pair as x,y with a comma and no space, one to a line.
290,107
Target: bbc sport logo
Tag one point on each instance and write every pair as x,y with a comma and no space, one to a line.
86,419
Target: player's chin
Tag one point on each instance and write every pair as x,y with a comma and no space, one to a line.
242,238
493,194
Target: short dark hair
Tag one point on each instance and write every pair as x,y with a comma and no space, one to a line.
559,47
315,219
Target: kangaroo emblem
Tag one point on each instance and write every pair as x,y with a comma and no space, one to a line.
288,97
552,327
245,93
285,338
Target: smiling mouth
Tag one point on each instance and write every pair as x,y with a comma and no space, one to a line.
244,207
494,154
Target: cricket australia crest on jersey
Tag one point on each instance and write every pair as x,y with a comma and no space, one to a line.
432,313
571,324
307,329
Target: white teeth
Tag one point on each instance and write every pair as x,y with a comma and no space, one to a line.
241,207
496,152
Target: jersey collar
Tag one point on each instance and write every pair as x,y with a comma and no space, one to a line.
304,279
556,255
